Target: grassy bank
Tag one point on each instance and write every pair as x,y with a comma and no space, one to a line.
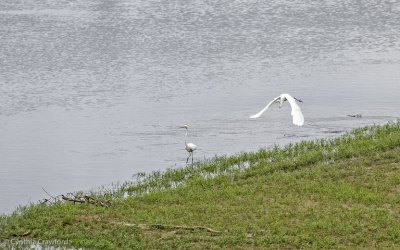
342,192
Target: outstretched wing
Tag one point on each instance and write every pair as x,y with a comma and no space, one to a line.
298,118
266,107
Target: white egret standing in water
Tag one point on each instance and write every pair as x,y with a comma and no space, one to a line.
298,118
190,147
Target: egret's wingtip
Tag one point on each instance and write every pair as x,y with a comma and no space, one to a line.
299,124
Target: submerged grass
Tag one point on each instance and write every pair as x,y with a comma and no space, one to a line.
336,193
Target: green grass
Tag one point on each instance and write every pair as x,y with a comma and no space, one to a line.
336,193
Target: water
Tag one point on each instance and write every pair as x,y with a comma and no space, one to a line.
93,91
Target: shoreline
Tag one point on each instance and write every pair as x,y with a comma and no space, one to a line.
198,202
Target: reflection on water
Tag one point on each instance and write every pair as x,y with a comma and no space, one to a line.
93,92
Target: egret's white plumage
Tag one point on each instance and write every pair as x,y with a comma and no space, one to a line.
298,118
190,147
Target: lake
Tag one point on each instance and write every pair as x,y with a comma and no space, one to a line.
93,92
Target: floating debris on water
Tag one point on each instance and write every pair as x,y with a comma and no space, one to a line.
355,116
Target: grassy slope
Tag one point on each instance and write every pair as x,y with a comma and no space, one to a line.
343,192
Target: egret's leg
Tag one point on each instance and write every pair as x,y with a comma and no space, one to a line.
187,160
192,158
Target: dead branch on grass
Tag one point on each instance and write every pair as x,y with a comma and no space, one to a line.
75,198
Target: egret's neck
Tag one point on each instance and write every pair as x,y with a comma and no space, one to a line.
186,135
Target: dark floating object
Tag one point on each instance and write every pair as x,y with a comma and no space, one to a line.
355,116
334,132
289,135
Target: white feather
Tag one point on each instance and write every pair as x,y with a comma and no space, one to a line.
298,118
264,109
190,147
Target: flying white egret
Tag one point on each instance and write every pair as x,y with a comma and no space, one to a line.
298,118
190,147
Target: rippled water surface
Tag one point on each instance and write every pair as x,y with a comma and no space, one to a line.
93,91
